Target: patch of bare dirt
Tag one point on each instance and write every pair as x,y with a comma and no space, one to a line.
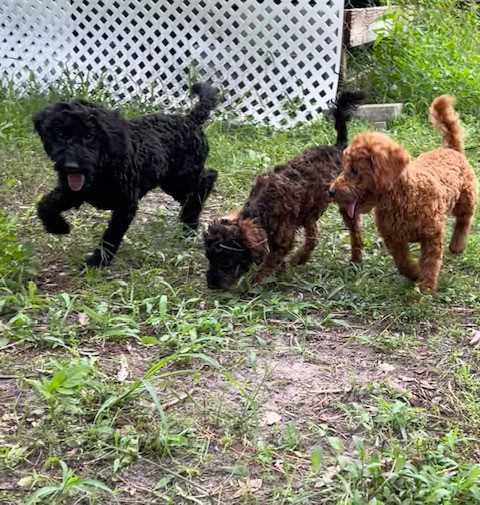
306,384
157,200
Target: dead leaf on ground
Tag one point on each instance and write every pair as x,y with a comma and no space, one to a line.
270,418
427,385
476,338
386,367
327,475
83,318
123,372
249,486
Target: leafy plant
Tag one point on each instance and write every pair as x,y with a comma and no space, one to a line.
428,49
69,485
397,475
63,390
15,256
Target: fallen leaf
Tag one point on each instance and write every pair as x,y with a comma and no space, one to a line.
386,367
476,338
270,418
123,372
83,318
249,486
397,388
427,385
327,476
407,379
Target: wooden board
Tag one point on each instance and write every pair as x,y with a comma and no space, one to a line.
360,25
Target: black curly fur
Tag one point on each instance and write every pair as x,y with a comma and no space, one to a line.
341,110
111,162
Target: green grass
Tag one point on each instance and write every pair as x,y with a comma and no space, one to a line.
431,48
138,381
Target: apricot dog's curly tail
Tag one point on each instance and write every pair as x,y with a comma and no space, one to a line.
445,119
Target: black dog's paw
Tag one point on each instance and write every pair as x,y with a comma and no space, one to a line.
96,259
58,227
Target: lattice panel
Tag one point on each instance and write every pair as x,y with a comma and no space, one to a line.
276,60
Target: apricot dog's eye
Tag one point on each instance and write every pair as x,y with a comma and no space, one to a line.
354,171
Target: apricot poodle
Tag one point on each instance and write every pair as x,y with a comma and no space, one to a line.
413,198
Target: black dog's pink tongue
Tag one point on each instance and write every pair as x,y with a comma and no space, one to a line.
76,181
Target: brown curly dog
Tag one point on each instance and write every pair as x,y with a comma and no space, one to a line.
413,198
289,196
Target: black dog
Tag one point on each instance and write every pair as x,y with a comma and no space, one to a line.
111,162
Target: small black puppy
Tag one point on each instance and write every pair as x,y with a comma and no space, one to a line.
111,162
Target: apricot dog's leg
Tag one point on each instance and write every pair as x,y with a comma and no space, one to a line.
430,264
464,212
401,256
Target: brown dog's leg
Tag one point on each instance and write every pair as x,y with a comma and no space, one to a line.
463,211
430,264
355,227
279,248
311,234
401,256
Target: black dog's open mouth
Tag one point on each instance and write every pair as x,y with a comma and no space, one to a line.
75,181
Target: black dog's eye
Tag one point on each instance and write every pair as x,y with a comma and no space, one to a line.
88,135
354,171
60,135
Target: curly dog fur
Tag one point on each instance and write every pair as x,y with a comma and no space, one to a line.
290,196
413,198
111,162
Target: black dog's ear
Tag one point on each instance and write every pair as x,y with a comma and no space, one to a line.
39,120
40,117
115,131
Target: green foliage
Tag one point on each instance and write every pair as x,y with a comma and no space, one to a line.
141,375
15,256
70,485
63,391
432,47
395,474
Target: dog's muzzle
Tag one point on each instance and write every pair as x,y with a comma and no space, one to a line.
75,179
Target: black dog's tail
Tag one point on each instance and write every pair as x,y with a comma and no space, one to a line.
341,110
208,96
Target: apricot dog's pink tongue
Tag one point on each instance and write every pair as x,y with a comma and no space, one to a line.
351,209
76,181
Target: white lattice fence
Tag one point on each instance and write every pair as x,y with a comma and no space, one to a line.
276,60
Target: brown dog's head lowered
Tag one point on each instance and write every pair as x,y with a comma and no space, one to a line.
373,163
232,245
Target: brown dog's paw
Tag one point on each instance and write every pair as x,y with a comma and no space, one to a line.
259,278
299,259
456,247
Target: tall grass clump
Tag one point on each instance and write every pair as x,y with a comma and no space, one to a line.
15,256
431,47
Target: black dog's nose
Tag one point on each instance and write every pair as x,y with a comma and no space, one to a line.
331,192
72,165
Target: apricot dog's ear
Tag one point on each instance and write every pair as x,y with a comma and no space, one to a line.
388,160
255,239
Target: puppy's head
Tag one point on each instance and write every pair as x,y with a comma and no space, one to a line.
372,164
79,137
232,245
